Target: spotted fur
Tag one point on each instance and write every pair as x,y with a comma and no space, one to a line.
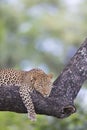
27,81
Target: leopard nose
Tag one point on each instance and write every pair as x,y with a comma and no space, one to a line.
46,95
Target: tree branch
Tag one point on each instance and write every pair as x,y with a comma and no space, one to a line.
61,101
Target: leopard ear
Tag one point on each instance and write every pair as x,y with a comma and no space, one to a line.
50,76
33,79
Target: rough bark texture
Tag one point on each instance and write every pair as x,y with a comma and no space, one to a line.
61,101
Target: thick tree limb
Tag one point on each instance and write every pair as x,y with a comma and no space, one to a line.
61,101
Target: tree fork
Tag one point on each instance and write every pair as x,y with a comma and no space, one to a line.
60,103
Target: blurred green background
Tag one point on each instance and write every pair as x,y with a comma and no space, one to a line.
43,34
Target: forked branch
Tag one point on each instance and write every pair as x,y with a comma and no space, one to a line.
61,101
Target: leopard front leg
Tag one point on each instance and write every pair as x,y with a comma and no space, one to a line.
26,98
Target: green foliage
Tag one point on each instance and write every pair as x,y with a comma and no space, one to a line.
45,34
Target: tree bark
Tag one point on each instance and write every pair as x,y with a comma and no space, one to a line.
60,103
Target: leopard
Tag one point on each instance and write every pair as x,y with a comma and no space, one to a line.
28,81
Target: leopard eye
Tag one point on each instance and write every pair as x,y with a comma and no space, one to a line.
40,86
